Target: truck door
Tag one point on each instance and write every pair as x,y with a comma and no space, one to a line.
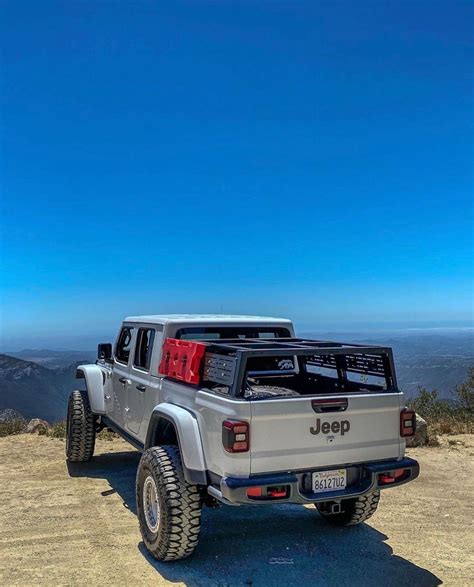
121,375
139,388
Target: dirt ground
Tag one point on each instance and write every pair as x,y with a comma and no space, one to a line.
77,525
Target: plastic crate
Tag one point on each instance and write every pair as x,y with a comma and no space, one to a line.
182,360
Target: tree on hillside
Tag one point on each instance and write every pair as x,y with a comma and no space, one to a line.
447,417
465,393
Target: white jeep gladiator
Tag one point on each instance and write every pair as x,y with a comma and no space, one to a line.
237,410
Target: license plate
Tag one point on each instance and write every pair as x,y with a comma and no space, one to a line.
329,480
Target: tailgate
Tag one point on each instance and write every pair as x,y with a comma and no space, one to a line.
287,434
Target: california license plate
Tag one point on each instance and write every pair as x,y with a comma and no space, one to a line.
329,480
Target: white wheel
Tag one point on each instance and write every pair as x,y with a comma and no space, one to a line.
151,506
168,507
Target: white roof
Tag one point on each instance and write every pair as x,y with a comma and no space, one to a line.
206,319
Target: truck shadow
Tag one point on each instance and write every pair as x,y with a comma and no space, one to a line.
278,545
118,468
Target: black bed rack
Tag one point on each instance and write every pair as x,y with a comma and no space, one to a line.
225,361
288,344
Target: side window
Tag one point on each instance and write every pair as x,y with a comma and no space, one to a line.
122,350
143,348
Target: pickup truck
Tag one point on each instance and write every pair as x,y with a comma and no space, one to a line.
238,410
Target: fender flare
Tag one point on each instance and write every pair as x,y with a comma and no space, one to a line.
94,378
189,439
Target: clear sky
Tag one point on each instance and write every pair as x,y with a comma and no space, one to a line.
306,159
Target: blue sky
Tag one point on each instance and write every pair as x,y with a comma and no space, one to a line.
305,159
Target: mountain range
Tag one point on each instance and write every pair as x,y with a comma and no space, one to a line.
37,383
33,390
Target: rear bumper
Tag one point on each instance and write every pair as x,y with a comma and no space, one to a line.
361,479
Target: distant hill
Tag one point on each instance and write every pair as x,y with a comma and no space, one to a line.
54,359
33,390
442,374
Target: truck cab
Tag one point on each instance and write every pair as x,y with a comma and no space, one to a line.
135,385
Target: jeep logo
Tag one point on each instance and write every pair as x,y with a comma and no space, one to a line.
326,428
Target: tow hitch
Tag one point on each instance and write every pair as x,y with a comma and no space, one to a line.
336,507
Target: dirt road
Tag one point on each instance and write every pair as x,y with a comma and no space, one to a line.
61,526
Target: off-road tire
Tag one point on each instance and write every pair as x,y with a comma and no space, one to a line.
354,511
80,428
179,518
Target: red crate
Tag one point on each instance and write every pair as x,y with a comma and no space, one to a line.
181,359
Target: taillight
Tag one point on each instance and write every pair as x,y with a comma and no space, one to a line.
275,492
267,493
407,423
253,492
392,476
235,436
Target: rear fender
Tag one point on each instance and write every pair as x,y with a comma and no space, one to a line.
187,435
94,379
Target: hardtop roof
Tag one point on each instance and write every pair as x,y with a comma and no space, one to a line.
206,319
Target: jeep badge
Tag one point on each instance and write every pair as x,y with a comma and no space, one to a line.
326,428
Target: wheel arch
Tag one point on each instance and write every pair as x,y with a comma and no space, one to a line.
94,381
170,424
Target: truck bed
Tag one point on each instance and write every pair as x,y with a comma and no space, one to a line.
295,367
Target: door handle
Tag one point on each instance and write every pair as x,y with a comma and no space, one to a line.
322,406
141,387
124,380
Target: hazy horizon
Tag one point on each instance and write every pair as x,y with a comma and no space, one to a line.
88,342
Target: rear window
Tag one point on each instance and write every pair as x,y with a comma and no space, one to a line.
143,348
223,332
